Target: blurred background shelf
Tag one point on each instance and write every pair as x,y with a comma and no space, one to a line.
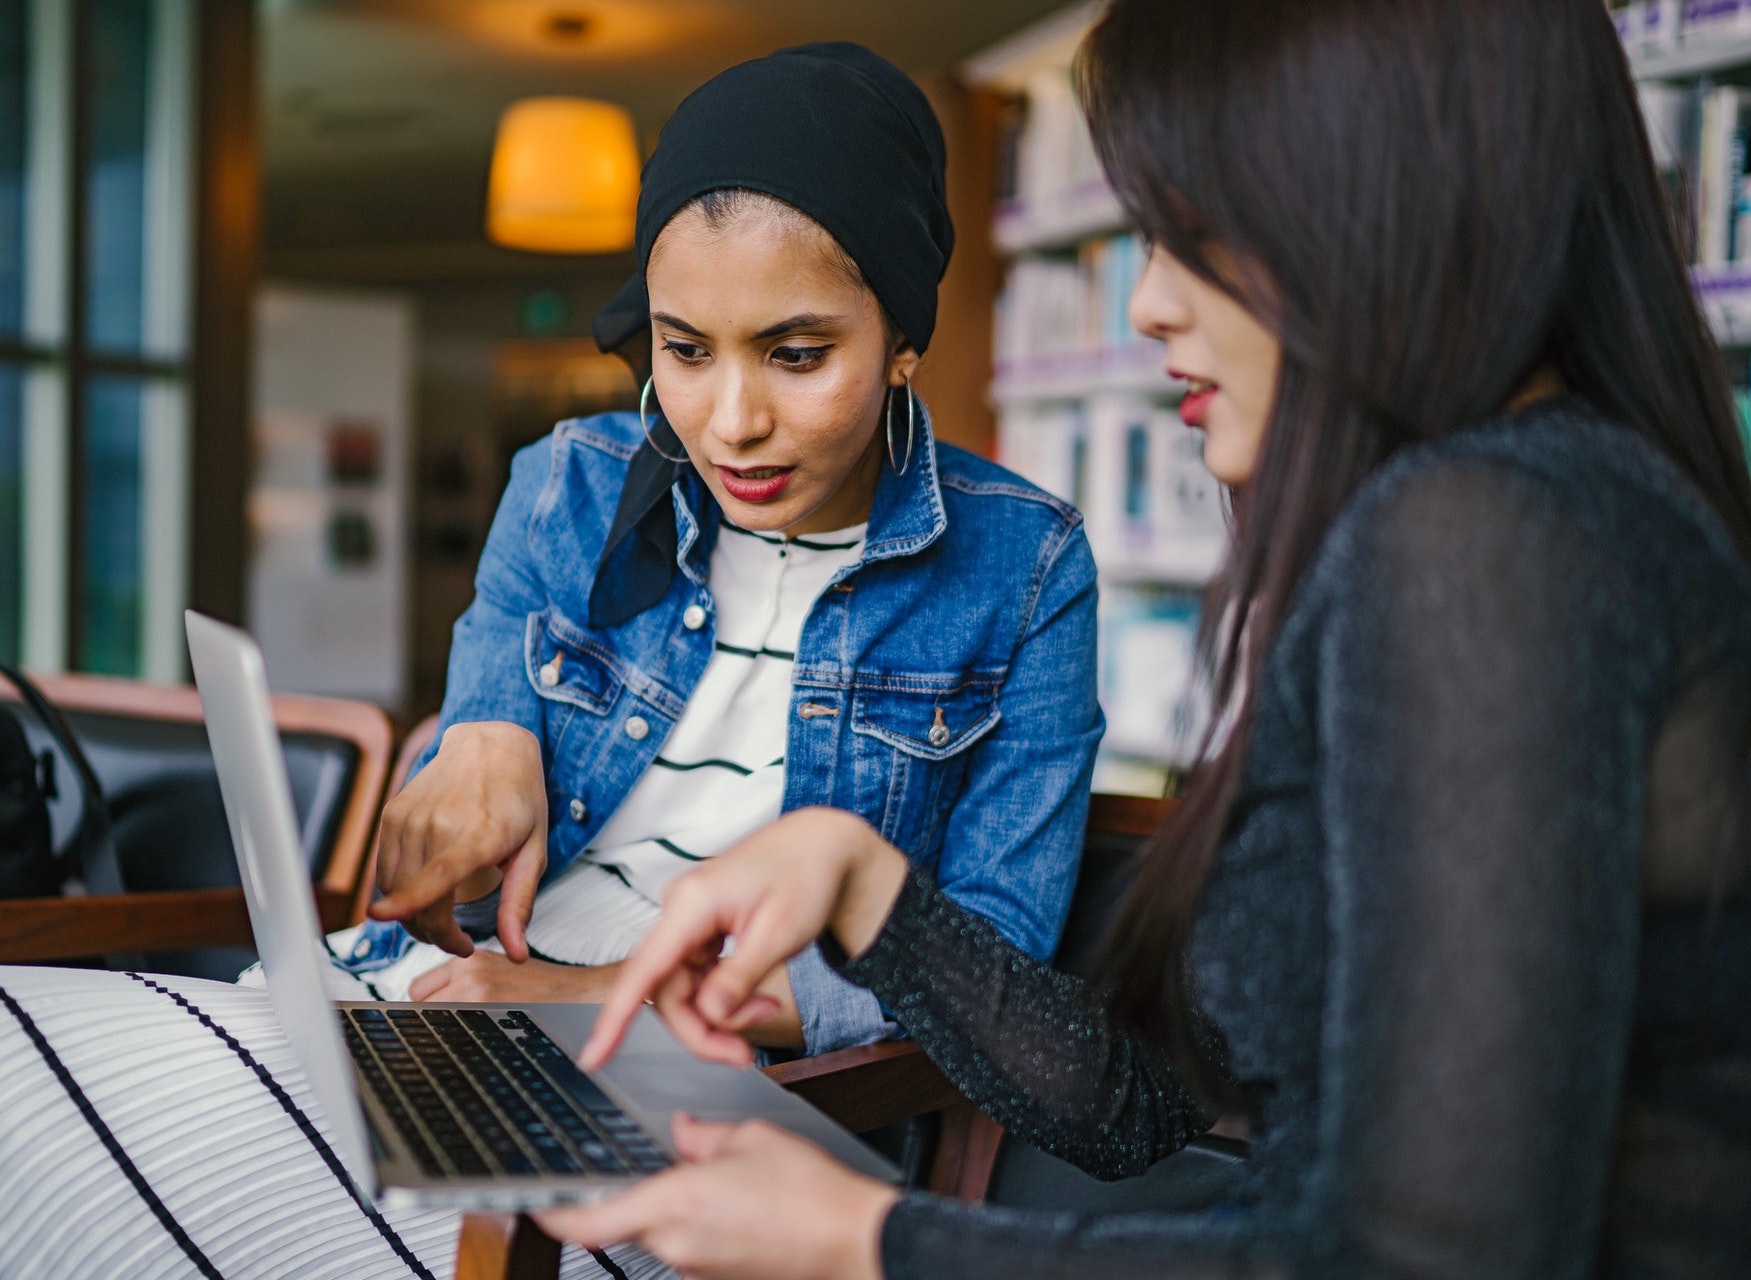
1085,408
1725,294
1159,751
1692,64
1188,564
1087,209
1701,57
1076,375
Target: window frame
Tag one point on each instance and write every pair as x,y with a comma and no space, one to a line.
54,352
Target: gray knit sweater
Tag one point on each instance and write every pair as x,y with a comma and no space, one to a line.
1460,939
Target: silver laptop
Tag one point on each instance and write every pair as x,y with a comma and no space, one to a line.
465,1106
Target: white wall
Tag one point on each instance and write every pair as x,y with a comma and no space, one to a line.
329,611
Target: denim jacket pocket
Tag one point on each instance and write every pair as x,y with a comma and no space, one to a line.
565,665
928,725
931,718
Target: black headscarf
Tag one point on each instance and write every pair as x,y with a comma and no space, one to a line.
832,130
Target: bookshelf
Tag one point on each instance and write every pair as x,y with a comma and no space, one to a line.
1067,218
1725,293
1691,60
1084,407
1696,60
1679,39
1085,410
1077,373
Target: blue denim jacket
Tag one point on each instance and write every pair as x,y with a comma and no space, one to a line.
971,611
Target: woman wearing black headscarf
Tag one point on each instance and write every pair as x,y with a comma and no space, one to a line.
831,607
770,588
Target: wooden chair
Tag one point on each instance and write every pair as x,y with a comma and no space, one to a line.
147,744
869,1086
1017,1175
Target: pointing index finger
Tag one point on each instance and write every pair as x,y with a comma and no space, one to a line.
664,951
522,880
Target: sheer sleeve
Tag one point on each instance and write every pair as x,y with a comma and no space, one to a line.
1485,693
1476,676
1031,1046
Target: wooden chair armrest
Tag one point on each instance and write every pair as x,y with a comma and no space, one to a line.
33,930
869,1085
38,929
505,1246
872,1085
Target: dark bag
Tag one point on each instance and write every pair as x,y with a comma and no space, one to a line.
27,781
29,864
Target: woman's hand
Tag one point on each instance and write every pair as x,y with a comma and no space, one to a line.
749,1200
771,895
486,977
490,978
476,813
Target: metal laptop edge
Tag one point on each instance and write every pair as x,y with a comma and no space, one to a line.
650,1079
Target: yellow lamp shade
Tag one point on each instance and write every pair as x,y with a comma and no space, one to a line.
564,177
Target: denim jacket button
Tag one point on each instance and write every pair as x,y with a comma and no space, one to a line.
939,735
694,618
578,810
550,674
637,727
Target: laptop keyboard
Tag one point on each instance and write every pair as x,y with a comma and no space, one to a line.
473,1096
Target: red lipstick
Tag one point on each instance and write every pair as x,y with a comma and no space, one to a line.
1195,407
755,484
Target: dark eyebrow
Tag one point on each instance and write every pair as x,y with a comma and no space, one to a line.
807,320
804,320
675,322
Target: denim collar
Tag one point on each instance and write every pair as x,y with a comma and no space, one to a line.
907,514
649,537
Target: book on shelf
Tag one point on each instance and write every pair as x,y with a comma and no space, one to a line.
1700,136
1665,110
1650,26
1011,127
1148,684
1047,443
1054,154
1055,304
1153,512
1698,21
1720,176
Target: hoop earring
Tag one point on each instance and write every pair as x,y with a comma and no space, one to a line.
911,428
644,421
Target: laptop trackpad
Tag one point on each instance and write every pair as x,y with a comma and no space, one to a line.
653,1077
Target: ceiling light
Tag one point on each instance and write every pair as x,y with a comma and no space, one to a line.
568,26
564,177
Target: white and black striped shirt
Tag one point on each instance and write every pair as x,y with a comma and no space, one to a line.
720,773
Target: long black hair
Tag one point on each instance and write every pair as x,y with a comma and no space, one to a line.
1428,201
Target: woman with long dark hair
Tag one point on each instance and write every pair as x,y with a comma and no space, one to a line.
1455,912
